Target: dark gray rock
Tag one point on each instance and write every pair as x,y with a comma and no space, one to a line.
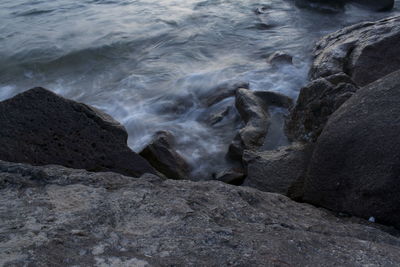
253,109
40,127
315,104
355,167
381,5
54,216
276,170
233,176
366,51
222,92
163,157
279,58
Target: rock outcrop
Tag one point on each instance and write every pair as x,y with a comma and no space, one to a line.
54,216
344,61
365,51
164,158
355,167
276,170
40,127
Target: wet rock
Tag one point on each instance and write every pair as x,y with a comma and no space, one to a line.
222,92
315,104
325,6
279,58
40,127
366,51
276,170
253,109
148,221
381,5
233,176
162,156
355,167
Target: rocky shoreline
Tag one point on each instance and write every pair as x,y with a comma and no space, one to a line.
98,203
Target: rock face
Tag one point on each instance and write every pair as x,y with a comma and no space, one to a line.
366,51
163,157
253,109
316,103
40,127
77,218
355,167
276,170
344,61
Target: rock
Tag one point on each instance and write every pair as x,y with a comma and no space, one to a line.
162,156
315,104
381,5
40,127
355,167
279,58
253,109
325,6
233,176
148,221
366,51
275,171
222,92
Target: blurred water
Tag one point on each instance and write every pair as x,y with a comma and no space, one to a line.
150,64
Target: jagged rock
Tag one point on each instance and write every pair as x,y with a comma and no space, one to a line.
355,167
54,216
233,176
163,157
366,51
280,57
253,109
276,170
315,104
40,127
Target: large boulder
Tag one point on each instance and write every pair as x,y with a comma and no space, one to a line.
54,216
276,170
40,127
355,167
366,51
163,157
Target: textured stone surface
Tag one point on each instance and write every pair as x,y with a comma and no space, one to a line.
355,167
276,170
164,158
40,127
366,51
54,216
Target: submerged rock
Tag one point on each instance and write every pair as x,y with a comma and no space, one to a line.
280,57
365,51
58,216
276,170
40,127
163,157
355,167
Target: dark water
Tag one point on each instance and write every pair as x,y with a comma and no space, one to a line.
150,64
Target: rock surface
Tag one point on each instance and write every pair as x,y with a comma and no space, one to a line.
253,107
276,170
366,51
163,157
54,216
355,167
315,104
40,127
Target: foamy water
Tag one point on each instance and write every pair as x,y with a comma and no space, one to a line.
150,64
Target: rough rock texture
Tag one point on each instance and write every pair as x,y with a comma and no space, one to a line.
316,103
54,216
366,51
276,170
163,157
40,127
355,167
253,109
